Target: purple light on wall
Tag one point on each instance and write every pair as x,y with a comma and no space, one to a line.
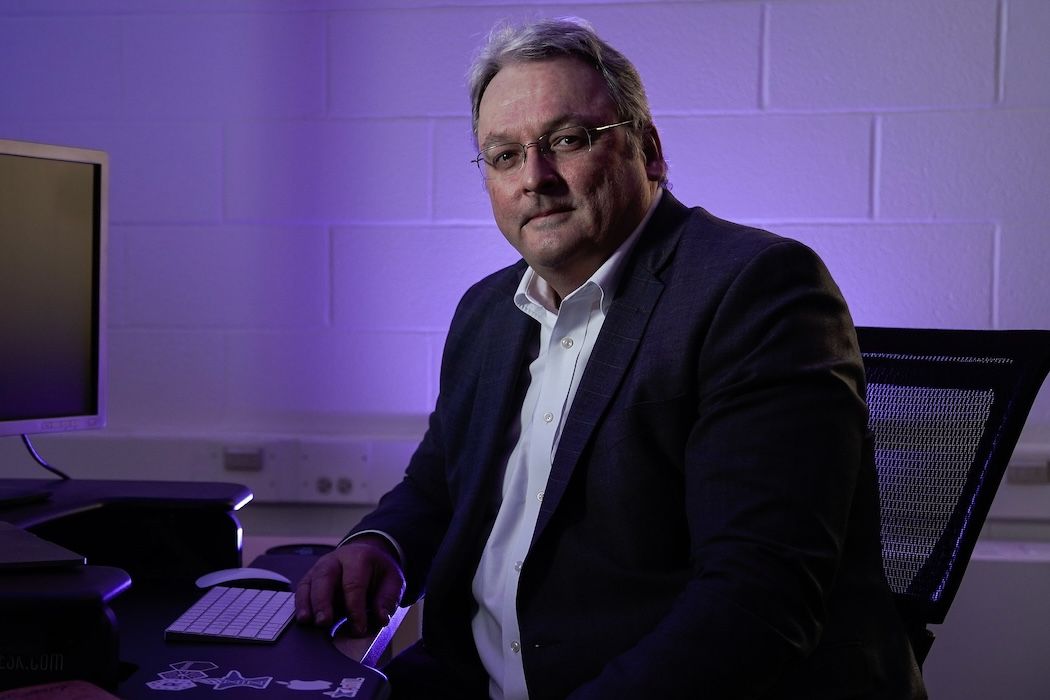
301,179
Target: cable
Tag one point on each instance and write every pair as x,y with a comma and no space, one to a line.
40,460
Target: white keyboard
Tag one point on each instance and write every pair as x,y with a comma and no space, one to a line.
235,614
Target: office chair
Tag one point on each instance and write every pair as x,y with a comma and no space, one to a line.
946,409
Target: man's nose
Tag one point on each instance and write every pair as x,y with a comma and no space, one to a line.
538,168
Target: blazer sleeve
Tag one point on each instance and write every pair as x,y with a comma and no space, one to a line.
442,479
771,466
415,513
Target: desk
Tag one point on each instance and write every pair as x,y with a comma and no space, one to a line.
304,663
165,535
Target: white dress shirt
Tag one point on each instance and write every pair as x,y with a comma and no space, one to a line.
567,336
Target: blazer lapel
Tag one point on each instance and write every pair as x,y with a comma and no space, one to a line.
500,389
621,333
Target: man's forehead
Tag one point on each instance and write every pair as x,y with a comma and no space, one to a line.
528,95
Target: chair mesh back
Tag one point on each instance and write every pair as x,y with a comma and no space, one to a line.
926,440
946,409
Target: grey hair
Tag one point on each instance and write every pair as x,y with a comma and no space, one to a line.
562,37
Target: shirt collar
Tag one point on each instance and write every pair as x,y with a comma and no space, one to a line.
534,290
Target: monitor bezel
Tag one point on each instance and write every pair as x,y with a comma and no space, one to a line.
97,419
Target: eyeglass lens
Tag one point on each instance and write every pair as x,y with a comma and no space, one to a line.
508,157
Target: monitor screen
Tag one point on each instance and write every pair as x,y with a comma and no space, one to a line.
53,235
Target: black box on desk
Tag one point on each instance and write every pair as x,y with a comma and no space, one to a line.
57,625
157,531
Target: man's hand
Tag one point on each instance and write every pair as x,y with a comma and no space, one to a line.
362,578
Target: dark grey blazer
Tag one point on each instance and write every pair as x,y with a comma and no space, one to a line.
710,526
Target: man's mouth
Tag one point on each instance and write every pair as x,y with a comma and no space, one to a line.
545,215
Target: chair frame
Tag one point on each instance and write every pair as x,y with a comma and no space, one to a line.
1011,363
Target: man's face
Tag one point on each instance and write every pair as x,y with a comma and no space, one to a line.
564,217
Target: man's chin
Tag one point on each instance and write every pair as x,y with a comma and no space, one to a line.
551,257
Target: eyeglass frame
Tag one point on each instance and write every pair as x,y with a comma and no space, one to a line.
539,144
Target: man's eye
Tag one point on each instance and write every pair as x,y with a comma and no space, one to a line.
504,158
568,140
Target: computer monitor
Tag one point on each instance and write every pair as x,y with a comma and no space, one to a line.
53,244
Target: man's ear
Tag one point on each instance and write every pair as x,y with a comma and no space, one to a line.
655,165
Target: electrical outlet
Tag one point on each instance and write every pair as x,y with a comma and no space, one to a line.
333,471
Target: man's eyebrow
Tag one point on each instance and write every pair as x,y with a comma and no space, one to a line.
497,138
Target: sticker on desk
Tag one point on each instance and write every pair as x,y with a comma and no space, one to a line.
183,675
348,688
187,675
233,679
188,670
306,685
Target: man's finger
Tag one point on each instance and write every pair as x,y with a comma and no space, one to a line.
314,594
355,587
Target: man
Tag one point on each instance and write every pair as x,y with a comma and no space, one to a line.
651,478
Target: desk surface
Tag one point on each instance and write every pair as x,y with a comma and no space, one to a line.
304,662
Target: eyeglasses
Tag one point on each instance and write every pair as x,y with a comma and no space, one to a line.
561,144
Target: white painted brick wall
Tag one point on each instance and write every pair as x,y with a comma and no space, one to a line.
693,57
330,170
294,215
235,282
882,55
772,167
233,66
1027,54
890,265
412,299
982,164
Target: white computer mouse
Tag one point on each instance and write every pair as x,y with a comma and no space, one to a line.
246,577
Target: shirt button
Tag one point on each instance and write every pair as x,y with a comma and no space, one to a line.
517,565
548,417
539,496
515,647
566,343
